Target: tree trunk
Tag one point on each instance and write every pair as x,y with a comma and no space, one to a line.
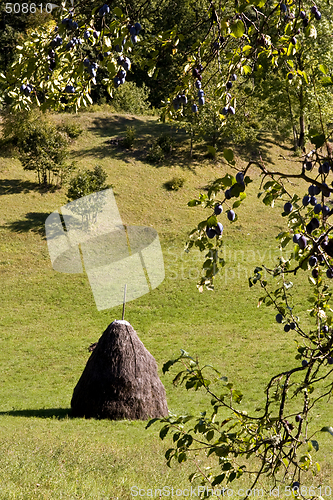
293,123
301,131
191,148
301,139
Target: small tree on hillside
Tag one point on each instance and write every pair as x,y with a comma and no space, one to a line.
42,147
87,182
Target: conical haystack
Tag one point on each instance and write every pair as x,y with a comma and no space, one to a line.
120,380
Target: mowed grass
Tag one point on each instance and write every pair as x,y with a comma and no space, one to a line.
48,319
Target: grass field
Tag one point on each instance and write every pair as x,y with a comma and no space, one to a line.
48,320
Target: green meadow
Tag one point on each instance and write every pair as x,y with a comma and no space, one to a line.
48,319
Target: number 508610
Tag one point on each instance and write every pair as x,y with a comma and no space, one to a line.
28,8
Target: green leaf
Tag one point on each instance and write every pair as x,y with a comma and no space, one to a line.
151,71
228,154
117,12
318,140
164,431
247,49
246,70
187,419
193,203
176,436
212,151
212,221
210,435
218,479
237,396
323,68
168,365
238,29
326,81
232,477
327,429
315,444
182,457
177,377
151,422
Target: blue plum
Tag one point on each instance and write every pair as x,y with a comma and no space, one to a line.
240,178
231,215
218,209
210,231
288,208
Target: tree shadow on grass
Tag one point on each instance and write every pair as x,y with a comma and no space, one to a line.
16,186
33,221
56,413
114,125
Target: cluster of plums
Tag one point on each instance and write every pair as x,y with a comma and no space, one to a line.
134,30
56,42
26,89
69,23
235,188
318,208
218,209
105,9
72,42
292,326
196,72
69,89
51,59
178,100
120,77
302,14
315,12
91,67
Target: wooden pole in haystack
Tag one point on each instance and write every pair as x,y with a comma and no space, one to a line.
124,303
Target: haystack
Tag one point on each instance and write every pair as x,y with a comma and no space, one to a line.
120,380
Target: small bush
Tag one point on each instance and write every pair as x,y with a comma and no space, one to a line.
87,182
132,99
175,184
73,130
166,143
155,154
129,140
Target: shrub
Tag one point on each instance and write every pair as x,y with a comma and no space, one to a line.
166,143
155,153
129,140
42,147
132,99
160,148
73,130
87,182
175,184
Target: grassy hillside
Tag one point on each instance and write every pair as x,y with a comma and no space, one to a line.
48,319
